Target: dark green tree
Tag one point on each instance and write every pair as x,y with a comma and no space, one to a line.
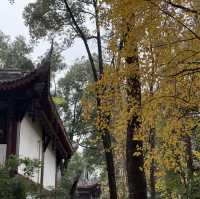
69,19
15,55
71,89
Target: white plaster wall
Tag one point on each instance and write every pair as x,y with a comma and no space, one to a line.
49,167
30,143
3,148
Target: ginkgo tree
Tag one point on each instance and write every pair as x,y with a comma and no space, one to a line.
147,99
66,20
157,43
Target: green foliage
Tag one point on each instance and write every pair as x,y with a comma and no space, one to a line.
74,169
71,89
50,17
14,186
78,169
11,188
14,55
29,166
59,101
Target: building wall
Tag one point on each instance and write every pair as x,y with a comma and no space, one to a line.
30,145
49,167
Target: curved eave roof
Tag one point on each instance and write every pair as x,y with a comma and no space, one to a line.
22,78
62,134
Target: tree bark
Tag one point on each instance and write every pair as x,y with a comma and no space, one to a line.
189,155
106,138
110,165
152,167
135,164
107,144
74,186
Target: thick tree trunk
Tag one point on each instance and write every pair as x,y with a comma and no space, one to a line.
189,156
152,167
105,133
106,137
110,164
190,164
107,144
135,163
74,186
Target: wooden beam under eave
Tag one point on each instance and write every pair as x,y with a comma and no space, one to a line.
12,134
52,130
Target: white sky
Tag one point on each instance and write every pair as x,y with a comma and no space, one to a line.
12,24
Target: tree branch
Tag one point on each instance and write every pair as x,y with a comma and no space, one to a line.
87,147
99,45
186,71
91,37
186,9
87,12
174,42
175,19
82,35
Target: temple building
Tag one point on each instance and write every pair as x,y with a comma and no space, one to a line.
86,190
30,125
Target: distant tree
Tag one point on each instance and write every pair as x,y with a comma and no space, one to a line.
14,55
70,91
73,174
69,20
72,88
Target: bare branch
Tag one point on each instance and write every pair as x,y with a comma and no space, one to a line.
174,42
175,19
87,12
188,71
91,37
186,9
83,37
87,147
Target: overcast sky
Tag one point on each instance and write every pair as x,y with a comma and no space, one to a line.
12,24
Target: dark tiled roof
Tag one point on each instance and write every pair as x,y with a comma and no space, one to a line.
10,79
10,75
13,78
87,185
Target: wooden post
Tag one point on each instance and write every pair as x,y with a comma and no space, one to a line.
12,133
45,143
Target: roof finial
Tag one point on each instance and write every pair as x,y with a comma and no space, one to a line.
51,50
52,47
47,59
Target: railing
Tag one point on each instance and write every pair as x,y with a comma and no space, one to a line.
3,148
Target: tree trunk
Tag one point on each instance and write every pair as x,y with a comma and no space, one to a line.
105,133
74,186
152,167
110,165
189,155
190,164
135,164
106,138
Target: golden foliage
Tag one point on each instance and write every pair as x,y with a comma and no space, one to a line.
167,39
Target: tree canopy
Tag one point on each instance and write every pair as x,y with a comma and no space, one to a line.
137,99
15,54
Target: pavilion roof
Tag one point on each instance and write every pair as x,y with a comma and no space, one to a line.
13,79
